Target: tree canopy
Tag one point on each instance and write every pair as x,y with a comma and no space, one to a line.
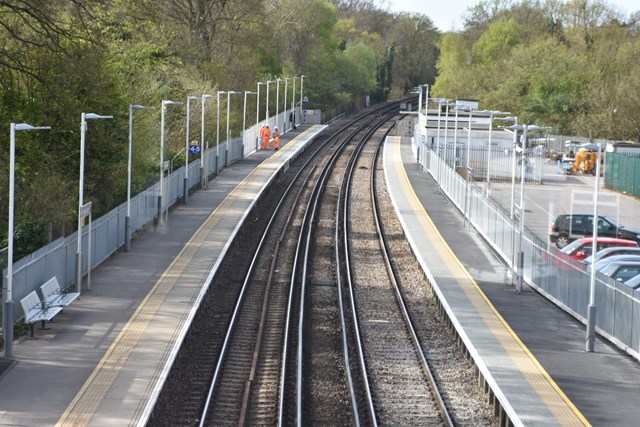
60,59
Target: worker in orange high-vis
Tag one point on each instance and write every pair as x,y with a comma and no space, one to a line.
265,135
276,138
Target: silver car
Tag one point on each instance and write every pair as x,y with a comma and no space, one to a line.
608,252
616,258
622,270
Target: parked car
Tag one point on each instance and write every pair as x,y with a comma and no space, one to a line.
616,250
567,228
622,270
634,282
581,248
616,258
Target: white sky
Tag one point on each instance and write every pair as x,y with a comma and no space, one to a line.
447,14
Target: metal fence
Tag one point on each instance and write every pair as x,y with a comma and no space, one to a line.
564,283
623,173
58,258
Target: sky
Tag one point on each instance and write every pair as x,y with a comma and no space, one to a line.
447,14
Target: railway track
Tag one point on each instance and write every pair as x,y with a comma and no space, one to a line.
275,342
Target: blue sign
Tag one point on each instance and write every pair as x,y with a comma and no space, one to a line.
194,149
305,99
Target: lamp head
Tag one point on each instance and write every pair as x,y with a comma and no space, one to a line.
140,107
168,102
93,116
192,98
205,96
26,126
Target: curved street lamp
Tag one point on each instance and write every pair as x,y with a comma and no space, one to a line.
203,150
186,152
82,209
165,102
7,311
226,147
127,219
492,115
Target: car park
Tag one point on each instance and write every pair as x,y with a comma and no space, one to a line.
613,251
622,270
567,228
581,248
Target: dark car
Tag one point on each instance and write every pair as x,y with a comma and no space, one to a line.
569,227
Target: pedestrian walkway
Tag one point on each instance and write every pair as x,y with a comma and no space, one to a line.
103,361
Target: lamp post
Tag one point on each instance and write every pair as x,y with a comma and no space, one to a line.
258,104
218,127
516,128
278,101
293,102
186,152
127,219
492,114
81,206
301,93
244,114
286,84
203,151
226,147
591,308
266,113
523,171
7,311
165,102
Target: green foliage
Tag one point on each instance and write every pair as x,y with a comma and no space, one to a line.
571,65
28,236
60,59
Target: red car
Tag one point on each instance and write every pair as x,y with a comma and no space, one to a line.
581,248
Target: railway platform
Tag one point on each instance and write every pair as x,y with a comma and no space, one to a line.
103,361
530,352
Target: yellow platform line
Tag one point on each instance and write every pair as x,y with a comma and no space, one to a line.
550,393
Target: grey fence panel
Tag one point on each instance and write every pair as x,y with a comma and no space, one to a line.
58,258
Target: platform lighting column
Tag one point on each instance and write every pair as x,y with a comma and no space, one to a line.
165,102
266,113
468,167
226,147
218,128
285,118
492,114
301,95
446,130
127,219
591,309
293,101
523,172
244,115
515,127
455,138
83,129
7,310
278,102
186,151
439,100
258,104
204,169
426,125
